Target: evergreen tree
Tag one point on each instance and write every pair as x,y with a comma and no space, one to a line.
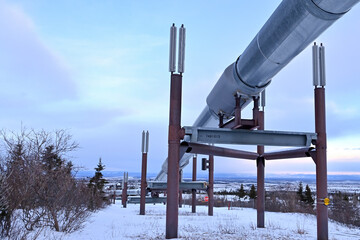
308,197
241,192
51,161
96,185
252,193
98,182
300,192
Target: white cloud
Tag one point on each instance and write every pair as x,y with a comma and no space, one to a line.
29,70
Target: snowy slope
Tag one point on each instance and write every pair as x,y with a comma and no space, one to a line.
116,222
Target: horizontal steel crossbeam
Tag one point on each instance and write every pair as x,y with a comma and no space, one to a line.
248,137
147,200
182,186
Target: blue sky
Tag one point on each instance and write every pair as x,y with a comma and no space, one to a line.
100,69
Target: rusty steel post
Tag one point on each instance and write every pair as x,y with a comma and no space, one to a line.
321,165
180,191
124,190
173,157
211,186
260,162
180,199
193,199
237,110
143,183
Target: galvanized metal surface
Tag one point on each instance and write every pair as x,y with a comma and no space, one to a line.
181,60
136,200
246,137
292,27
199,185
315,64
147,142
322,65
172,51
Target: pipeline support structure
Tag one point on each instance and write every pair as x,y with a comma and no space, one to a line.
279,41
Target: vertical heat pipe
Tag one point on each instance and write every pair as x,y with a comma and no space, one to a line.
181,59
172,55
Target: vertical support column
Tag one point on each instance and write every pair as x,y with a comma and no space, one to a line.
173,157
319,83
180,191
237,110
144,149
321,164
114,197
124,190
260,162
193,199
211,186
221,119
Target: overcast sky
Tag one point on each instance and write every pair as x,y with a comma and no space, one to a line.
100,70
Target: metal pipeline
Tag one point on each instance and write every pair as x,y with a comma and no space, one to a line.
288,31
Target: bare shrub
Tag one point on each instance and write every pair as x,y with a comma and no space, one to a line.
286,201
40,178
344,210
300,228
252,226
227,227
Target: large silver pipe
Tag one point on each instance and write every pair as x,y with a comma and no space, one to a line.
288,31
291,28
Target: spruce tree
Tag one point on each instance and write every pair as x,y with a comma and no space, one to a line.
241,192
300,192
252,193
308,197
96,184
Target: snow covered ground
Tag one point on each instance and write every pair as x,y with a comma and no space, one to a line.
116,222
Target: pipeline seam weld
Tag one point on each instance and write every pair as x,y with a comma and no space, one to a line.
318,12
248,85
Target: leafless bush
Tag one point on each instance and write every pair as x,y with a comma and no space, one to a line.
286,201
344,210
41,182
300,228
252,226
229,227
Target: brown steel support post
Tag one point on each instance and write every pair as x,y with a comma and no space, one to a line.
173,157
143,183
321,165
124,191
193,199
211,186
237,110
180,191
260,203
